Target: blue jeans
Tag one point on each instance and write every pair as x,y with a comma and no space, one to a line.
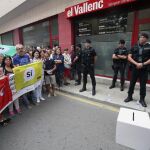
25,100
59,78
28,96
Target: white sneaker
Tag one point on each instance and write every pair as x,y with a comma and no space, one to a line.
42,98
38,100
55,94
49,95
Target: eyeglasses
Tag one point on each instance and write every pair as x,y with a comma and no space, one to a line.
19,48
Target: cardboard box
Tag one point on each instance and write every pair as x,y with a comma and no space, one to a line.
133,129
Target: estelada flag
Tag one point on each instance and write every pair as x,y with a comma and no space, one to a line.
7,50
5,92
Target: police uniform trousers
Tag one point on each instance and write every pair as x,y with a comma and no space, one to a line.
142,75
78,71
119,68
89,70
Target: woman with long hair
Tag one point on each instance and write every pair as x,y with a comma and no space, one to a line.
38,90
67,65
3,121
59,61
8,70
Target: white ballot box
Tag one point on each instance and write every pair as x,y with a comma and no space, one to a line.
133,129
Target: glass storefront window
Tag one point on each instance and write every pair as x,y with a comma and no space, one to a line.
145,28
39,34
7,38
105,34
54,26
36,35
55,42
144,13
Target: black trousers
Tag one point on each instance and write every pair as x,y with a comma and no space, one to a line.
142,75
119,68
73,72
78,72
59,77
91,72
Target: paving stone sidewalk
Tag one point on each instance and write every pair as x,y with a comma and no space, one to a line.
104,94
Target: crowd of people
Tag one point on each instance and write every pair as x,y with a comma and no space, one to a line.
60,66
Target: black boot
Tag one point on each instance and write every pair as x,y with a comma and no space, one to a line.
112,86
77,83
122,88
93,91
83,89
128,99
142,102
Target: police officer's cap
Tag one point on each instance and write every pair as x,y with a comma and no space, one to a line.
122,41
79,45
88,41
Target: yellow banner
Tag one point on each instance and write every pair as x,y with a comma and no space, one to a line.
27,75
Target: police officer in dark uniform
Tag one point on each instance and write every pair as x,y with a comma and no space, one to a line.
77,63
139,57
88,62
119,64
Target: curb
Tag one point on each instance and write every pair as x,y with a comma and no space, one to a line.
101,101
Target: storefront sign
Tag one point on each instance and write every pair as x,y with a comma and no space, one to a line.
84,29
93,5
